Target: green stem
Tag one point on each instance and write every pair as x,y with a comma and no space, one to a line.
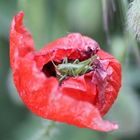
48,131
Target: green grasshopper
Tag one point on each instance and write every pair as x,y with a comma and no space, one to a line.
75,68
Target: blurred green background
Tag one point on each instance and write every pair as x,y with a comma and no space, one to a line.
103,20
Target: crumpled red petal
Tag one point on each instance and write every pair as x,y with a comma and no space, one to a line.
78,101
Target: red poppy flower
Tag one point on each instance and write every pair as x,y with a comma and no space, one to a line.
82,96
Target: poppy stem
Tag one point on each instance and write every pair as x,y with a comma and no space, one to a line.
49,130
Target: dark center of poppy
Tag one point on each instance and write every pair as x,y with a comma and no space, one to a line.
49,69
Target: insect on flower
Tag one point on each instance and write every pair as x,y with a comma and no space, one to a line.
75,68
70,80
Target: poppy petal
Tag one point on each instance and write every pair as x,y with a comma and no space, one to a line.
21,42
80,113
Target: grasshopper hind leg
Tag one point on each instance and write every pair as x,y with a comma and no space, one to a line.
62,78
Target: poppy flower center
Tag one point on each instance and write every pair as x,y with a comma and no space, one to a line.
69,68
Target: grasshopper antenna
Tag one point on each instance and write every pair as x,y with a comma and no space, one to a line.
52,60
56,69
